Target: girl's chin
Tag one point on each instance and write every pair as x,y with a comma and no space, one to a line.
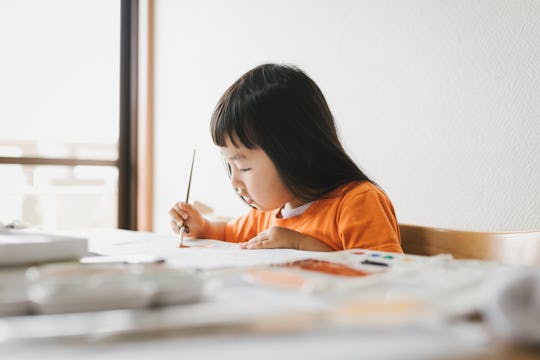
252,203
263,208
257,206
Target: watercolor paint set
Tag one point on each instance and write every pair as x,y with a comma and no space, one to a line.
375,277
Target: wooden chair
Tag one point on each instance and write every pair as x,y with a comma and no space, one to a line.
518,248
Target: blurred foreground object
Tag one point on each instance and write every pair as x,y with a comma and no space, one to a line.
511,306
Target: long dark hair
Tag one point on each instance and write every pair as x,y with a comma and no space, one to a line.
279,109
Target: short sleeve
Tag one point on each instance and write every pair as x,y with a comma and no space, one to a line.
367,220
243,228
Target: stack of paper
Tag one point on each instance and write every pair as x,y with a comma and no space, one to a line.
22,247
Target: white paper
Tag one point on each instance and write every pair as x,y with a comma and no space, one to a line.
201,254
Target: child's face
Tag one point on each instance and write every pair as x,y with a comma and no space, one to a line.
255,177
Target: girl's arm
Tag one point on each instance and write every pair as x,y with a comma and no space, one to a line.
280,237
214,230
198,227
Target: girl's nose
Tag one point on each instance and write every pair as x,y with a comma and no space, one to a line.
234,180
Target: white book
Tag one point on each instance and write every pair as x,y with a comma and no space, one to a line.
19,247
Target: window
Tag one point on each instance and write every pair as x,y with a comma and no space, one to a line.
66,137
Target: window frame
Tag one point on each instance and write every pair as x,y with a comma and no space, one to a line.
127,162
127,143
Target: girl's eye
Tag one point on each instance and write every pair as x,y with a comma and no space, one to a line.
228,168
245,170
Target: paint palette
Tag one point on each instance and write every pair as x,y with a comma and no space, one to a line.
374,277
320,273
72,287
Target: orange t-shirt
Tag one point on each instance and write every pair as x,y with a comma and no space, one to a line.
357,215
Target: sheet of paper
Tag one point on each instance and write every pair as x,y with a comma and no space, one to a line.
201,254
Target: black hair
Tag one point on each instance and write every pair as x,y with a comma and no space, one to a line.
279,109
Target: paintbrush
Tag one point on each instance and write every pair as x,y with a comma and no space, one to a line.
184,228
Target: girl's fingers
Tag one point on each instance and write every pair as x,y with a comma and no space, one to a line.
175,228
256,242
183,207
174,214
261,236
178,214
183,215
176,219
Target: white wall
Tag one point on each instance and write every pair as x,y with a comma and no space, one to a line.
438,101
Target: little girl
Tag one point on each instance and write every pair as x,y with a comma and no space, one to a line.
279,142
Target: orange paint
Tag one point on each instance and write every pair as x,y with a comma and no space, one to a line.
278,278
326,267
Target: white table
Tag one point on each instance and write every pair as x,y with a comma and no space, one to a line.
413,310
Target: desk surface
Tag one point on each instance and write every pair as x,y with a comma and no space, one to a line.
415,308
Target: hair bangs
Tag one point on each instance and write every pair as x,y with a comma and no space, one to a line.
232,120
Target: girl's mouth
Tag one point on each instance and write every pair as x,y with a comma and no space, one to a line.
249,201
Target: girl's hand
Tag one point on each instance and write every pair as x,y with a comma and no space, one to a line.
185,214
278,237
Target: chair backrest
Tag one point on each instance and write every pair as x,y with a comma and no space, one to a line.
519,248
